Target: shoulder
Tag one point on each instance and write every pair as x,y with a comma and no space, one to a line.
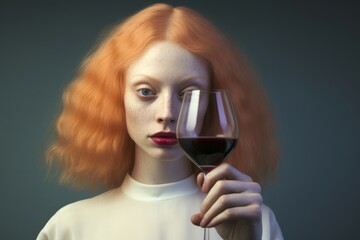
271,228
73,216
87,206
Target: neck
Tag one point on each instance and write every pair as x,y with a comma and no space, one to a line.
154,171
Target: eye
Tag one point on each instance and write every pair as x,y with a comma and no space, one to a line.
145,92
182,93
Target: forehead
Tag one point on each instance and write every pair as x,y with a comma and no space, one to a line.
168,59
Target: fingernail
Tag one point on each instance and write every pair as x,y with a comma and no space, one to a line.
203,223
203,188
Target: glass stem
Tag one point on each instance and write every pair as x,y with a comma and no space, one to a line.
206,234
206,230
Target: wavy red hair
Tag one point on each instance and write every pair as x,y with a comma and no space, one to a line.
93,147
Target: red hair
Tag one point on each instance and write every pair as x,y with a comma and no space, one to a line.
93,147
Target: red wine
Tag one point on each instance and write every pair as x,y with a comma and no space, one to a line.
207,152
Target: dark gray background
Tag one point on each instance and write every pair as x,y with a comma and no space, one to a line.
306,54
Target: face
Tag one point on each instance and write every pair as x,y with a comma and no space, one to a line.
154,85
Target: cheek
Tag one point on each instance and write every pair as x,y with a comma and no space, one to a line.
137,118
132,122
132,116
130,111
130,106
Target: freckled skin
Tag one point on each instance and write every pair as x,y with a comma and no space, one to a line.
153,87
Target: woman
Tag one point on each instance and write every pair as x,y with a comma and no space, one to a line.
117,130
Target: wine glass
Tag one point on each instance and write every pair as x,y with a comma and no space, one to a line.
207,128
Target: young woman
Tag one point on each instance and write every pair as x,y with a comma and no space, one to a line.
117,130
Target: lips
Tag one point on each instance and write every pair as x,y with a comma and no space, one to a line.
164,138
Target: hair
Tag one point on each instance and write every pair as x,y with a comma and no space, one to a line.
93,147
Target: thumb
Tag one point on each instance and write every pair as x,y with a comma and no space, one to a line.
200,180
196,219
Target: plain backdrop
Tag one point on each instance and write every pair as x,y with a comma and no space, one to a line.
306,54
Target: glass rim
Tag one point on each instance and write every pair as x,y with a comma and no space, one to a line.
216,90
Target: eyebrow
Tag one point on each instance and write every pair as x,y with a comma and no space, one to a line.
196,80
184,81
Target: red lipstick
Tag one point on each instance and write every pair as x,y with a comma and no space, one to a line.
164,138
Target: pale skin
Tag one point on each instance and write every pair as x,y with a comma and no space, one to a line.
154,86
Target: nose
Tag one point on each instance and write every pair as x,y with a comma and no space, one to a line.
168,110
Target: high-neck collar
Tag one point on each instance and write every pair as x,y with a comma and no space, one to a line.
158,192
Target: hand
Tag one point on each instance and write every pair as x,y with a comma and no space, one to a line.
232,205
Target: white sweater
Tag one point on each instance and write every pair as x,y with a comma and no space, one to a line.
137,211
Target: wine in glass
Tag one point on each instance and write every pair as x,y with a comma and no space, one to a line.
207,128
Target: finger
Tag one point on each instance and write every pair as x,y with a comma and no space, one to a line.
223,171
230,201
230,172
200,179
224,187
250,212
196,219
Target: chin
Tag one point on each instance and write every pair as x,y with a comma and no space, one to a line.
169,155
